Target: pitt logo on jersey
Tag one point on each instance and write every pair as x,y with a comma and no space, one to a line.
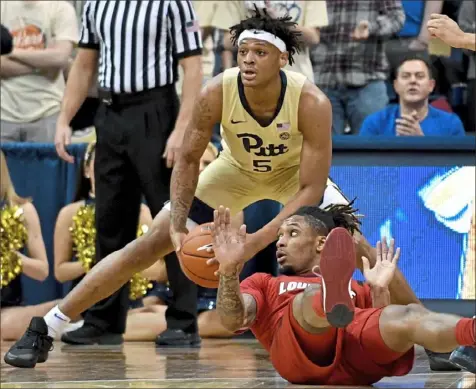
254,144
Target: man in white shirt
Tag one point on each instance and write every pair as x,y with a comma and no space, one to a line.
32,81
309,16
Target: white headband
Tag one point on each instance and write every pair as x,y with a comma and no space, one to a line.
263,36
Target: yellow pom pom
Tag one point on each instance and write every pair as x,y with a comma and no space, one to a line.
13,236
83,234
138,284
138,287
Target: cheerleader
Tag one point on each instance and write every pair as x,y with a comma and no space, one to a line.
74,251
22,252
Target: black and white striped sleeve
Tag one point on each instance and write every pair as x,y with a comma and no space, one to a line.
89,38
186,35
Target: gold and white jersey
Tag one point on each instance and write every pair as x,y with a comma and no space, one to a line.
252,147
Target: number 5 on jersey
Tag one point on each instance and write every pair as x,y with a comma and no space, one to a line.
262,165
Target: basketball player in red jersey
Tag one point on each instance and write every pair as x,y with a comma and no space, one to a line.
320,326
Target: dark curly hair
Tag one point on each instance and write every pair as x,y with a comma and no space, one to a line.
281,27
332,216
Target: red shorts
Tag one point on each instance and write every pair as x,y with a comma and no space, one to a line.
361,356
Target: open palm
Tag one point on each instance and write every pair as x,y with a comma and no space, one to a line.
228,243
382,273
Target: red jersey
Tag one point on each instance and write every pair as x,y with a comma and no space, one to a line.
352,363
274,294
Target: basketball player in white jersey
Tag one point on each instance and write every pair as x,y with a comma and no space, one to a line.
276,130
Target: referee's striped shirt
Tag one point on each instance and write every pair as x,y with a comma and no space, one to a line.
139,42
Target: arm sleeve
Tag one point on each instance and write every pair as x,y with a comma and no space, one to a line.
89,38
185,29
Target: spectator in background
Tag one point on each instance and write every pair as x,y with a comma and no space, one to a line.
467,21
32,82
6,41
308,15
349,63
413,116
414,36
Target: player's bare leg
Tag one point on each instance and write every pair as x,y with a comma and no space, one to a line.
401,327
116,269
103,280
401,293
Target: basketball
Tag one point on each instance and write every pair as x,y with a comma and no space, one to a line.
194,257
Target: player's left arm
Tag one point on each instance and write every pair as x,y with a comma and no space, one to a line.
368,296
380,297
315,124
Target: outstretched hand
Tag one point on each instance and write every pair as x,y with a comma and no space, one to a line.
445,28
228,243
387,258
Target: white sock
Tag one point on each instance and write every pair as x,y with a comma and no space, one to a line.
73,326
56,321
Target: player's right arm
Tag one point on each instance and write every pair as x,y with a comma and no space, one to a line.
237,311
206,113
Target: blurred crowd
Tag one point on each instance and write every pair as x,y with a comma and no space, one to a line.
401,83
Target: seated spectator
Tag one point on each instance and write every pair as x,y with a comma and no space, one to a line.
413,116
349,63
22,252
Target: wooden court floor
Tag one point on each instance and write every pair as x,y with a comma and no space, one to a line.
238,363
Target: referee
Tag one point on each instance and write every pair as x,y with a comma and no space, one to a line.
134,47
